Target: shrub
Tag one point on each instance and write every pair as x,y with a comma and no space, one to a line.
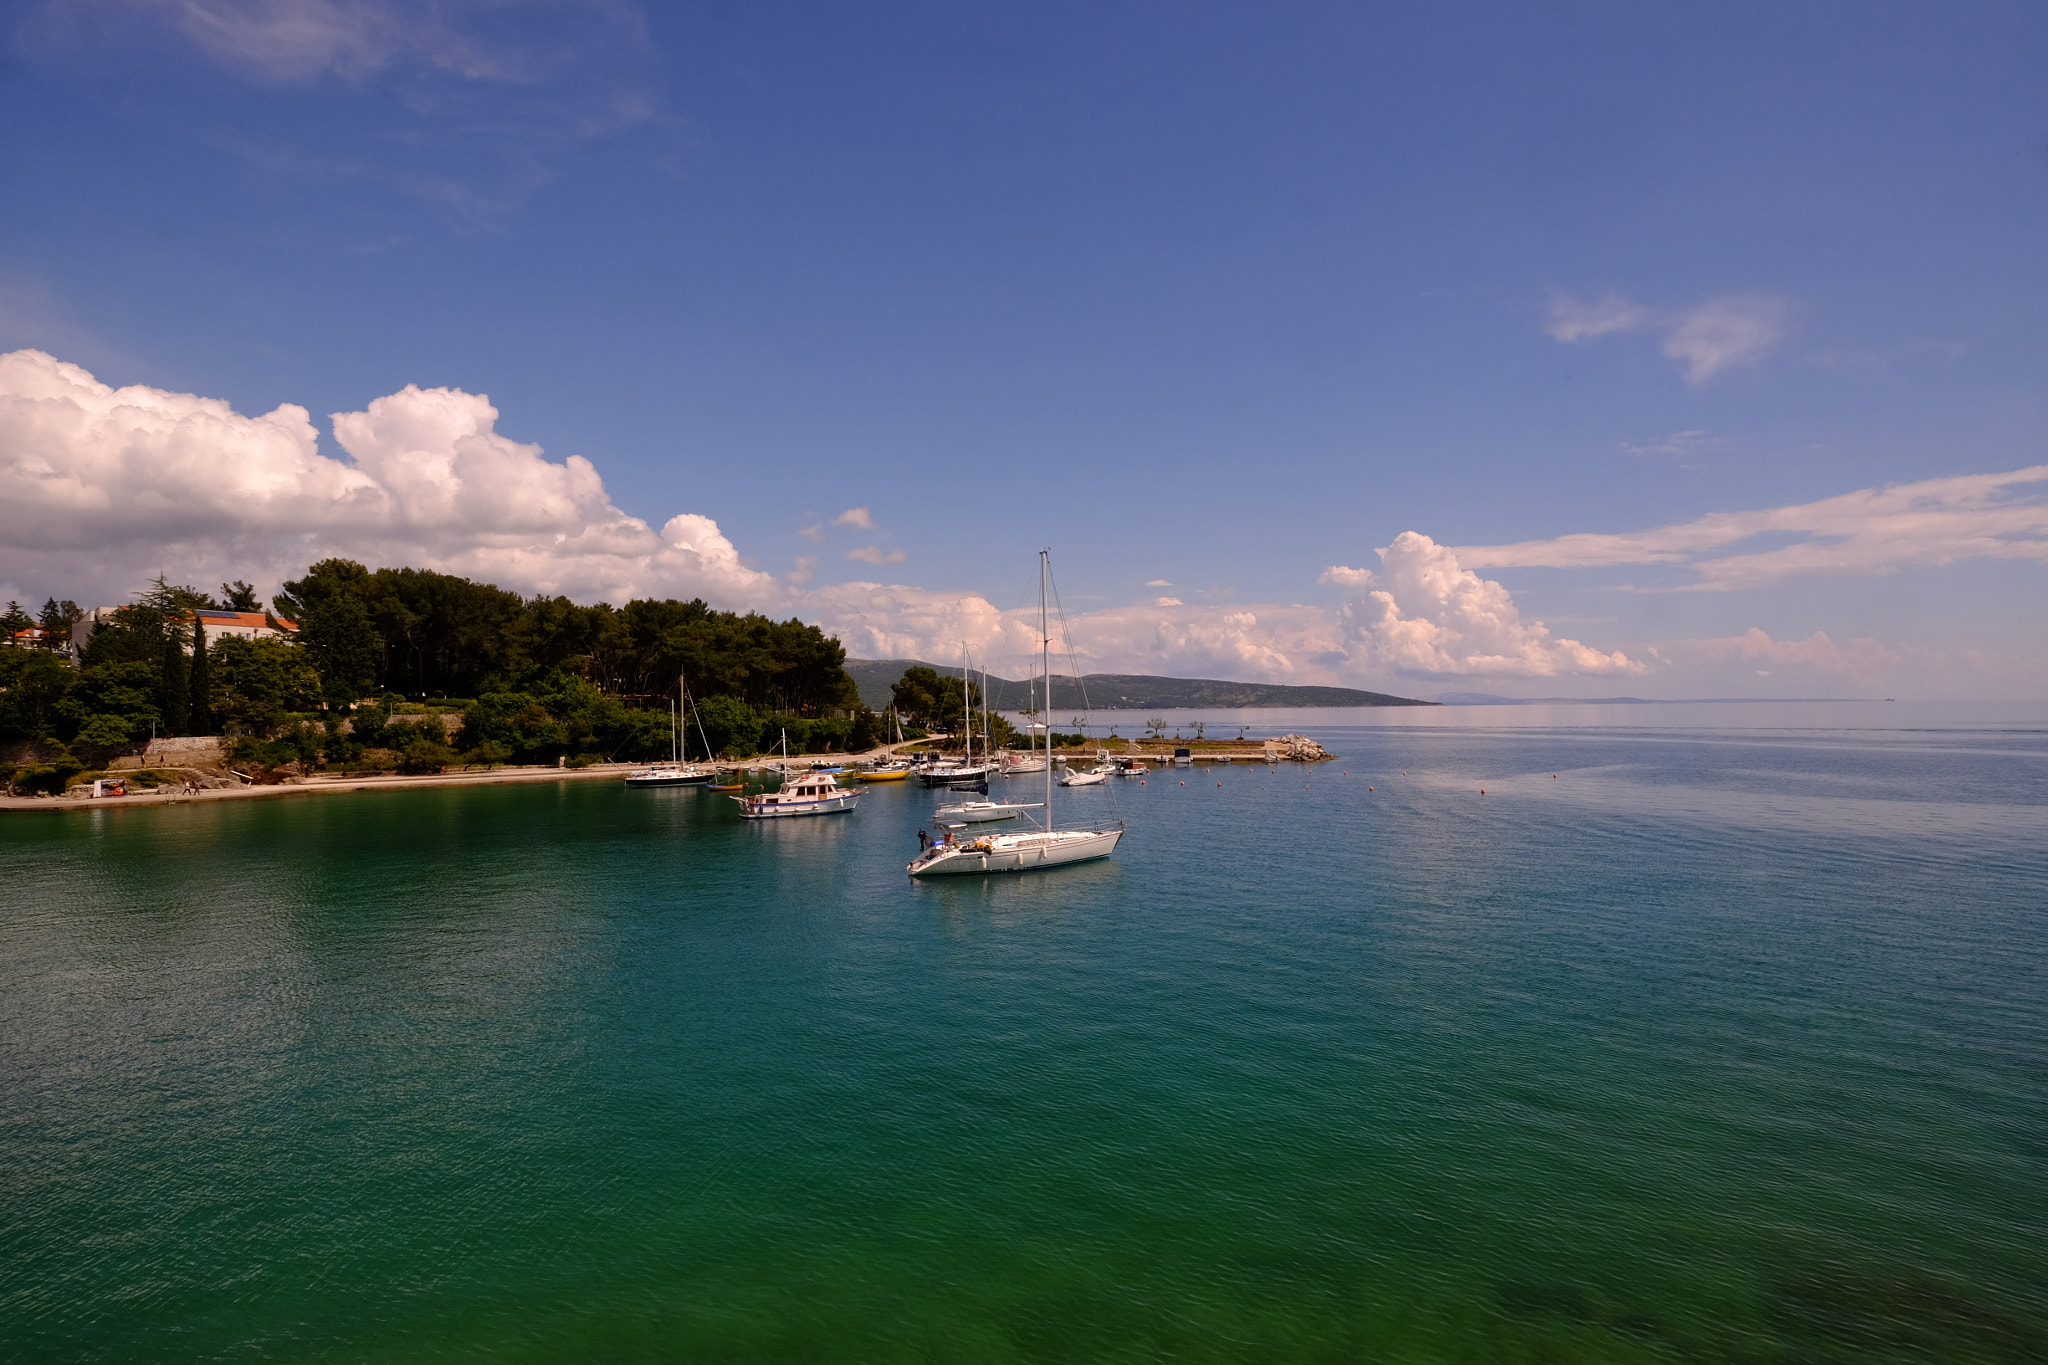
488,754
423,754
104,731
48,779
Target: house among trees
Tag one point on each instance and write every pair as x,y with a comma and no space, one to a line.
247,625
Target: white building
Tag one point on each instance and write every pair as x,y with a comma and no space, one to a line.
250,625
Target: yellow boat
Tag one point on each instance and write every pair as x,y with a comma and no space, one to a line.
882,775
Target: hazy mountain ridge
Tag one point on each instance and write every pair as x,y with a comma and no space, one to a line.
1126,691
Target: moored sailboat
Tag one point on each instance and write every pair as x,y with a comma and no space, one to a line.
675,772
1026,850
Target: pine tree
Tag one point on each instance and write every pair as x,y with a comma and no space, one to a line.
58,620
199,700
172,687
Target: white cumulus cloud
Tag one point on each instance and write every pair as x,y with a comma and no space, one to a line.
102,487
873,554
855,516
1423,614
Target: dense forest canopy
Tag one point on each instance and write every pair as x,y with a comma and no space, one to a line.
536,679
425,634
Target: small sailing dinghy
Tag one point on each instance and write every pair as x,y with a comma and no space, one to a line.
1025,850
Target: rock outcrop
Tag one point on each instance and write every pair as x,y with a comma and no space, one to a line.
1299,748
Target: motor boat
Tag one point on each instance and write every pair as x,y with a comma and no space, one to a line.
808,794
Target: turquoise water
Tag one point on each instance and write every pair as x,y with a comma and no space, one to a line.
1725,1043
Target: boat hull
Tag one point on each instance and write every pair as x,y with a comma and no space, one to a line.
980,812
1016,853
752,809
671,780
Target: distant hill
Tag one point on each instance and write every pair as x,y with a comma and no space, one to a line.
1126,691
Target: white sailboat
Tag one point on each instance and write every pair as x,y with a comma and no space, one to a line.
981,812
1026,850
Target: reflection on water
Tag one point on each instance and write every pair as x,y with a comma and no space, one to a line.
1718,1044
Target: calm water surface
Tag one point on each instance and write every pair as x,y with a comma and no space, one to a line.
1726,1042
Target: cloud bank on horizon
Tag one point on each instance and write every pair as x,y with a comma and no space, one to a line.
101,488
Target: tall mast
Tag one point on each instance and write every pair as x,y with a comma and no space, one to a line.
966,710
1045,668
683,693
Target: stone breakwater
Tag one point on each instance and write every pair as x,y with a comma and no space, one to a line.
1297,748
1281,748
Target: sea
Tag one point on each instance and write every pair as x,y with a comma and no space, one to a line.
1710,1032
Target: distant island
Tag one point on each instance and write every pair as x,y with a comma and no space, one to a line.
1123,691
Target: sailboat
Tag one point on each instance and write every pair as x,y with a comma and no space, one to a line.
966,774
1030,761
1026,850
675,772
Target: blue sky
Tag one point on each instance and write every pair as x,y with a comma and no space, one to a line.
1218,301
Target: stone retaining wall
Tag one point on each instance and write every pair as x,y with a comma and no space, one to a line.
186,751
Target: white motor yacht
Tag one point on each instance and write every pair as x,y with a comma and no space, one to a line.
809,794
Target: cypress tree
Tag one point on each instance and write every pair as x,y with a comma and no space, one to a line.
172,690
199,705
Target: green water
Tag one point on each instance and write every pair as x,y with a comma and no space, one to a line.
1722,1044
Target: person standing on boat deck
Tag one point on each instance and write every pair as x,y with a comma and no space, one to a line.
924,841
